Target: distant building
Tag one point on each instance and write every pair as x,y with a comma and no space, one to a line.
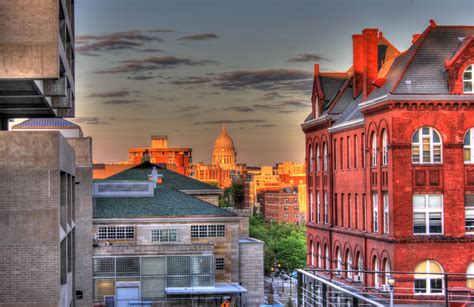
155,243
282,207
176,159
390,172
224,168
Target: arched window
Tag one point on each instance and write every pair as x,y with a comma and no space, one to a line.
319,256
318,207
468,80
470,276
318,158
387,269
426,146
374,149
360,267
339,261
375,266
469,146
325,157
327,265
311,158
384,147
311,255
428,283
349,264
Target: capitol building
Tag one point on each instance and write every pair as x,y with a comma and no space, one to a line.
224,167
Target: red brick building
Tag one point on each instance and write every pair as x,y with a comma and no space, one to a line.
177,159
281,207
390,163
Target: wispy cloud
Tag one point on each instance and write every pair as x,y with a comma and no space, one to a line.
308,57
124,102
191,81
265,126
113,94
243,109
230,121
199,37
268,80
140,77
153,63
282,106
89,121
187,109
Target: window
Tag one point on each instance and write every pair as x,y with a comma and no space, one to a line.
311,206
428,214
356,209
384,148
311,160
341,156
319,256
375,204
385,213
326,208
339,261
325,153
311,255
363,148
326,253
426,146
360,266
469,146
375,265
318,208
356,152
207,231
116,232
318,158
374,150
387,270
428,283
349,264
470,276
364,212
164,235
469,209
349,211
348,162
219,264
468,80
335,154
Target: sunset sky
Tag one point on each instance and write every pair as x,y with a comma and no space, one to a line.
182,67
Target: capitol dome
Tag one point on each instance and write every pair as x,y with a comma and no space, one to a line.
224,151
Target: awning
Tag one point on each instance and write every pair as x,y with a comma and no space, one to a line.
217,289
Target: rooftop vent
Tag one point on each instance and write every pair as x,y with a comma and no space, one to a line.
124,189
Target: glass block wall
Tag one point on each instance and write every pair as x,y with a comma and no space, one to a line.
154,273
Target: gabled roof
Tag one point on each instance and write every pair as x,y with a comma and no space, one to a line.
170,179
46,123
167,202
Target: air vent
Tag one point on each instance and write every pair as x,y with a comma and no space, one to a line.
124,189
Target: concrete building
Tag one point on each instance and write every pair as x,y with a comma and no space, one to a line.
37,52
176,159
390,165
155,243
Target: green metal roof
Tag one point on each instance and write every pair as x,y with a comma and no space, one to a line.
167,200
170,178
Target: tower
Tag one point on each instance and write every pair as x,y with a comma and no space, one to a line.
224,153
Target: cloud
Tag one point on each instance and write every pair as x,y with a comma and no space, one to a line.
187,109
199,37
268,80
124,102
113,94
272,95
150,50
242,109
308,57
89,121
140,77
92,45
265,126
153,63
191,81
230,121
282,106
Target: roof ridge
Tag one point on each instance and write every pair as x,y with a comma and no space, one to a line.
339,93
420,42
202,201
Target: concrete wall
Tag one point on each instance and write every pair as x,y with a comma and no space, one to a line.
30,167
83,214
29,39
251,270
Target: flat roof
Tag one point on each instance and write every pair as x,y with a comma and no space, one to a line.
217,289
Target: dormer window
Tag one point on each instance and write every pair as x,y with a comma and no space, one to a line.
468,80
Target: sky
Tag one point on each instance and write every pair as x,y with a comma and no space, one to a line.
183,67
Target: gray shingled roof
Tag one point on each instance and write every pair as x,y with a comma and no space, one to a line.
331,85
170,179
46,122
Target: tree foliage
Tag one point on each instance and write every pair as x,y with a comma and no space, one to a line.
284,242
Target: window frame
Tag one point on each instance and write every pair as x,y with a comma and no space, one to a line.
427,278
157,235
419,143
375,212
469,147
386,214
373,147
469,68
318,207
427,210
220,266
384,148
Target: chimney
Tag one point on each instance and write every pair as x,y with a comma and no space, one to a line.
358,64
316,109
159,141
370,37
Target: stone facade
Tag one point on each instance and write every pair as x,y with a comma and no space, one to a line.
251,268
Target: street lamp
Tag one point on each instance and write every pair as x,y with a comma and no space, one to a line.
391,285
